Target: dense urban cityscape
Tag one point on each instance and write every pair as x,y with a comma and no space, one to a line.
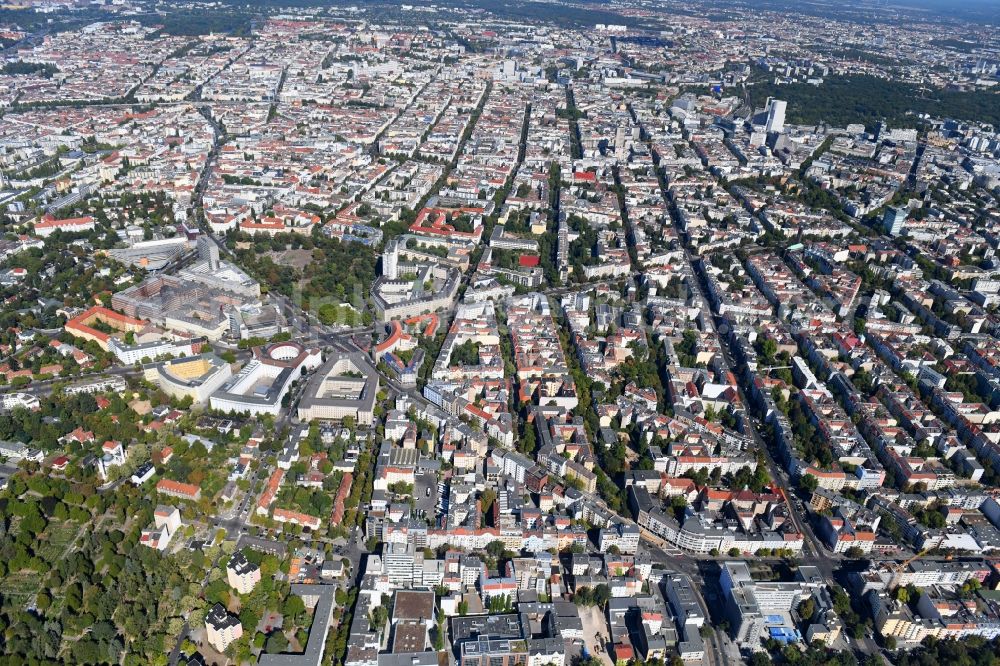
635,333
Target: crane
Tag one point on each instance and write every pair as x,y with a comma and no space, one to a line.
898,569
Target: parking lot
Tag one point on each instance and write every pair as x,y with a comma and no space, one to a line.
424,500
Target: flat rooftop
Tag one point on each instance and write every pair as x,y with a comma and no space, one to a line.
413,605
495,626
409,638
346,380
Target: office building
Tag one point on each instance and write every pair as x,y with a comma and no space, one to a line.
345,386
196,377
261,385
893,220
776,116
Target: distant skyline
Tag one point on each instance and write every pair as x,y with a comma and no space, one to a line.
983,11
